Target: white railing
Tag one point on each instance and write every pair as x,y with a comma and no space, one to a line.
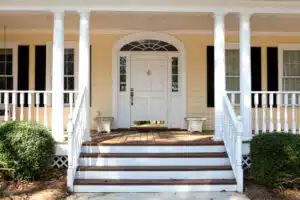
273,111
30,105
76,129
232,136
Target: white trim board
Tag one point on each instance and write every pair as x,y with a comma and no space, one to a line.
157,6
133,31
115,69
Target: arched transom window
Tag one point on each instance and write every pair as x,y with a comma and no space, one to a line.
148,45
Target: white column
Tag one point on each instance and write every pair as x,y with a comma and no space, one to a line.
84,66
245,75
58,77
219,51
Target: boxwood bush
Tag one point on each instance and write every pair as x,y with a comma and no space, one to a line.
26,149
276,159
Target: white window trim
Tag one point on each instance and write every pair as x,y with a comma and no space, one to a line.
73,45
281,49
231,46
14,47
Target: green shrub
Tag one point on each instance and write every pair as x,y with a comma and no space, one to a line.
276,159
26,149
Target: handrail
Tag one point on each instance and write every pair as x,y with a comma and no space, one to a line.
76,129
232,136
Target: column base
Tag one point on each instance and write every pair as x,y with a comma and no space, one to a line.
217,137
246,138
87,137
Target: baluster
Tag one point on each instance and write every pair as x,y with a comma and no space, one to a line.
271,113
232,99
6,106
256,113
264,102
22,106
71,103
293,114
45,109
278,125
14,102
37,104
286,102
29,106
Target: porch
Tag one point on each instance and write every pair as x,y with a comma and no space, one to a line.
137,66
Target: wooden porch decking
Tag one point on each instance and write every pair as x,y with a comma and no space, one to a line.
152,138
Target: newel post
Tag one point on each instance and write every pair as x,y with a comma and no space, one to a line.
238,165
70,177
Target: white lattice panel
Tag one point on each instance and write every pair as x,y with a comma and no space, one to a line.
60,161
246,162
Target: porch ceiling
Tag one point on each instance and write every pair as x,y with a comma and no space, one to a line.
148,21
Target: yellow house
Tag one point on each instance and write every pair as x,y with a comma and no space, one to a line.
235,64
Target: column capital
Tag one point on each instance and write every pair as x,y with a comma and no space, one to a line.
220,13
84,12
58,12
246,14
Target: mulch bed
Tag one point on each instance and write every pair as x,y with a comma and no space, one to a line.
256,191
51,187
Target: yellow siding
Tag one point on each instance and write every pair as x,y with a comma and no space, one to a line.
196,68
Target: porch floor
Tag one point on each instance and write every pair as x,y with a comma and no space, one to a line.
151,138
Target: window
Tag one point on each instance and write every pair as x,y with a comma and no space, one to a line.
69,76
175,74
233,71
6,69
123,65
291,70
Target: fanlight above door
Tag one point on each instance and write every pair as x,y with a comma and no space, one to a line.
148,45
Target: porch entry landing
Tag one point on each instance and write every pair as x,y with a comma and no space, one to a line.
155,137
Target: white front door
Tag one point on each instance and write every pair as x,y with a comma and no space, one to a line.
148,88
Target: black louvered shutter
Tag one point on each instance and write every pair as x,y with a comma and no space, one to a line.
23,71
272,67
255,71
210,76
40,70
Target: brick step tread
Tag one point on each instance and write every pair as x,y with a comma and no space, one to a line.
154,155
153,168
154,182
141,143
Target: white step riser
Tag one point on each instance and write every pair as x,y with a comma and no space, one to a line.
152,149
159,188
154,161
155,175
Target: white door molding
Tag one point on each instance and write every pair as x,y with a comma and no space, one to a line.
153,36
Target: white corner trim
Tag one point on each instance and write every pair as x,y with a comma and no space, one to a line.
155,36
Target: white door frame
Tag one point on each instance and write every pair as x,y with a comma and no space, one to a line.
155,36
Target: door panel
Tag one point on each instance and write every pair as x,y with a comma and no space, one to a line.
148,81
